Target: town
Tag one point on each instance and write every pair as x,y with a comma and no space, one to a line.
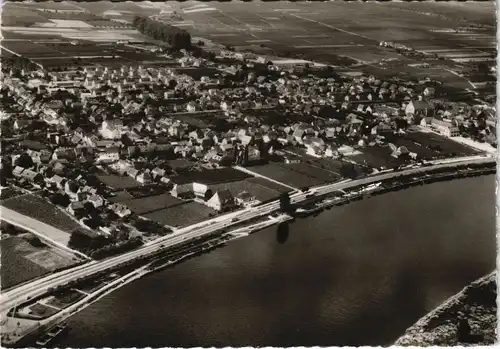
114,154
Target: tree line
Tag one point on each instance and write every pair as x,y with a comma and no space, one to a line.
177,38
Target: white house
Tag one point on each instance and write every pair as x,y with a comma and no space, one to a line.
144,178
111,129
419,108
96,200
202,191
109,155
246,199
222,200
446,128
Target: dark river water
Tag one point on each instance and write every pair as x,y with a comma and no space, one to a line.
358,274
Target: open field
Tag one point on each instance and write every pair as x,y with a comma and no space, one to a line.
22,261
151,203
268,184
376,157
260,191
182,215
284,174
118,182
339,33
36,207
220,175
313,171
333,28
441,144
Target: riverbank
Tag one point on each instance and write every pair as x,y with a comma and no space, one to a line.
317,205
476,304
135,268
335,279
96,288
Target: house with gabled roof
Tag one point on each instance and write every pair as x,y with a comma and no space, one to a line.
221,201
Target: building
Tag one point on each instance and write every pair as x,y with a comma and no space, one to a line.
245,199
446,128
418,108
96,200
222,201
202,191
111,129
144,178
109,155
120,209
75,207
182,190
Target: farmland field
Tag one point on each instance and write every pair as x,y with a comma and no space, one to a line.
284,174
443,145
21,261
118,182
376,157
182,215
219,175
260,191
268,184
312,171
338,33
151,203
42,210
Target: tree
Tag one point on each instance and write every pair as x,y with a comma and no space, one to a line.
24,161
60,199
348,170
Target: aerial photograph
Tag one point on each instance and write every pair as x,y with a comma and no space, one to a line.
263,173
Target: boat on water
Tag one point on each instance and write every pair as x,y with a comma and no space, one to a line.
51,335
302,212
370,187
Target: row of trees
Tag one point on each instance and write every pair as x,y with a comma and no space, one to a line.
100,246
177,38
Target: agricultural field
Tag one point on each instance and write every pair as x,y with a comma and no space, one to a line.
220,175
258,190
182,215
38,208
285,174
23,259
118,182
376,157
446,147
268,184
312,170
147,204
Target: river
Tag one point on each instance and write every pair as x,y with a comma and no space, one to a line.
358,274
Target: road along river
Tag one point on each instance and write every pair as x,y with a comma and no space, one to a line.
358,274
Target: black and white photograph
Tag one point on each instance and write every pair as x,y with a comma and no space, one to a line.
179,174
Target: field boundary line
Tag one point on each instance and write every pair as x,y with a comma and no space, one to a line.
255,174
331,26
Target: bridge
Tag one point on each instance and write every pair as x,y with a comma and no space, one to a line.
42,286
